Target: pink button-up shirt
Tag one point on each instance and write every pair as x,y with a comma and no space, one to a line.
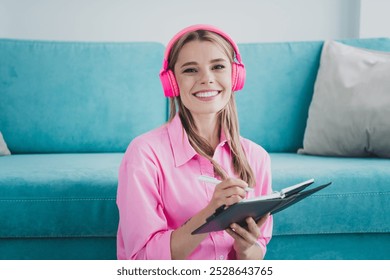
158,191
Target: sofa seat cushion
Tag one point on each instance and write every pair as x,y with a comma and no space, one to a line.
73,195
58,195
356,202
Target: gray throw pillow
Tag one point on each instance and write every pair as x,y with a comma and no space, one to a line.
350,111
3,147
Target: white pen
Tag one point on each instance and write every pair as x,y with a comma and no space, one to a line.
215,181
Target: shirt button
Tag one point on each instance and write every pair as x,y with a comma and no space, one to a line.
221,257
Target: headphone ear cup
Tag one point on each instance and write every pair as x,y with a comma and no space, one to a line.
169,84
238,76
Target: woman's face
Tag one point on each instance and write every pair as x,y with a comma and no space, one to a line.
203,73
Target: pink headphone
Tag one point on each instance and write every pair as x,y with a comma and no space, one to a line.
167,77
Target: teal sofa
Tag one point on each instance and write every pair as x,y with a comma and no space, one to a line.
69,109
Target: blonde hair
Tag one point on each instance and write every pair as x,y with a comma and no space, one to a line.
227,117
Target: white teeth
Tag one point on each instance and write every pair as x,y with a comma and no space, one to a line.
206,94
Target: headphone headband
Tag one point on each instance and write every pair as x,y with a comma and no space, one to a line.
193,28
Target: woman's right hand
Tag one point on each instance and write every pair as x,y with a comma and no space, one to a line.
228,192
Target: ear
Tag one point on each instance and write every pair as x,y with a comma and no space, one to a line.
238,76
169,83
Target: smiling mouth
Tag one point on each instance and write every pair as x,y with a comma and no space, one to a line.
205,94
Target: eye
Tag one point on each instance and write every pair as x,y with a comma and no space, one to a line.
189,70
219,67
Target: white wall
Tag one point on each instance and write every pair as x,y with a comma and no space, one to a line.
158,20
374,18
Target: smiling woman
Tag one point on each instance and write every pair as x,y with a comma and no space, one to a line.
158,188
203,73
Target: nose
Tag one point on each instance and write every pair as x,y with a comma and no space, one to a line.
206,77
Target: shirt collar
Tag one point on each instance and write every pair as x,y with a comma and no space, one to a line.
223,139
181,147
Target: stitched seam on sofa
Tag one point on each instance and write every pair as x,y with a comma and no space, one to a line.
57,236
113,198
351,194
57,199
112,236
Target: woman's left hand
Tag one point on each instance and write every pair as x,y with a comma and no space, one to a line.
245,240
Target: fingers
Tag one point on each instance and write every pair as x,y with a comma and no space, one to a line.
234,191
249,235
233,234
253,228
263,220
230,191
242,236
233,182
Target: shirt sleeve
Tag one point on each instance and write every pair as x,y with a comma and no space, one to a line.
142,232
264,186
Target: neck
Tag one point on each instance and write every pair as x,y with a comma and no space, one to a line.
208,126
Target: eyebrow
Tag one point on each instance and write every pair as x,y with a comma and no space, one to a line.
211,61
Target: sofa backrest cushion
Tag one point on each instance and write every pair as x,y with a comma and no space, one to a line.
78,96
96,97
273,106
